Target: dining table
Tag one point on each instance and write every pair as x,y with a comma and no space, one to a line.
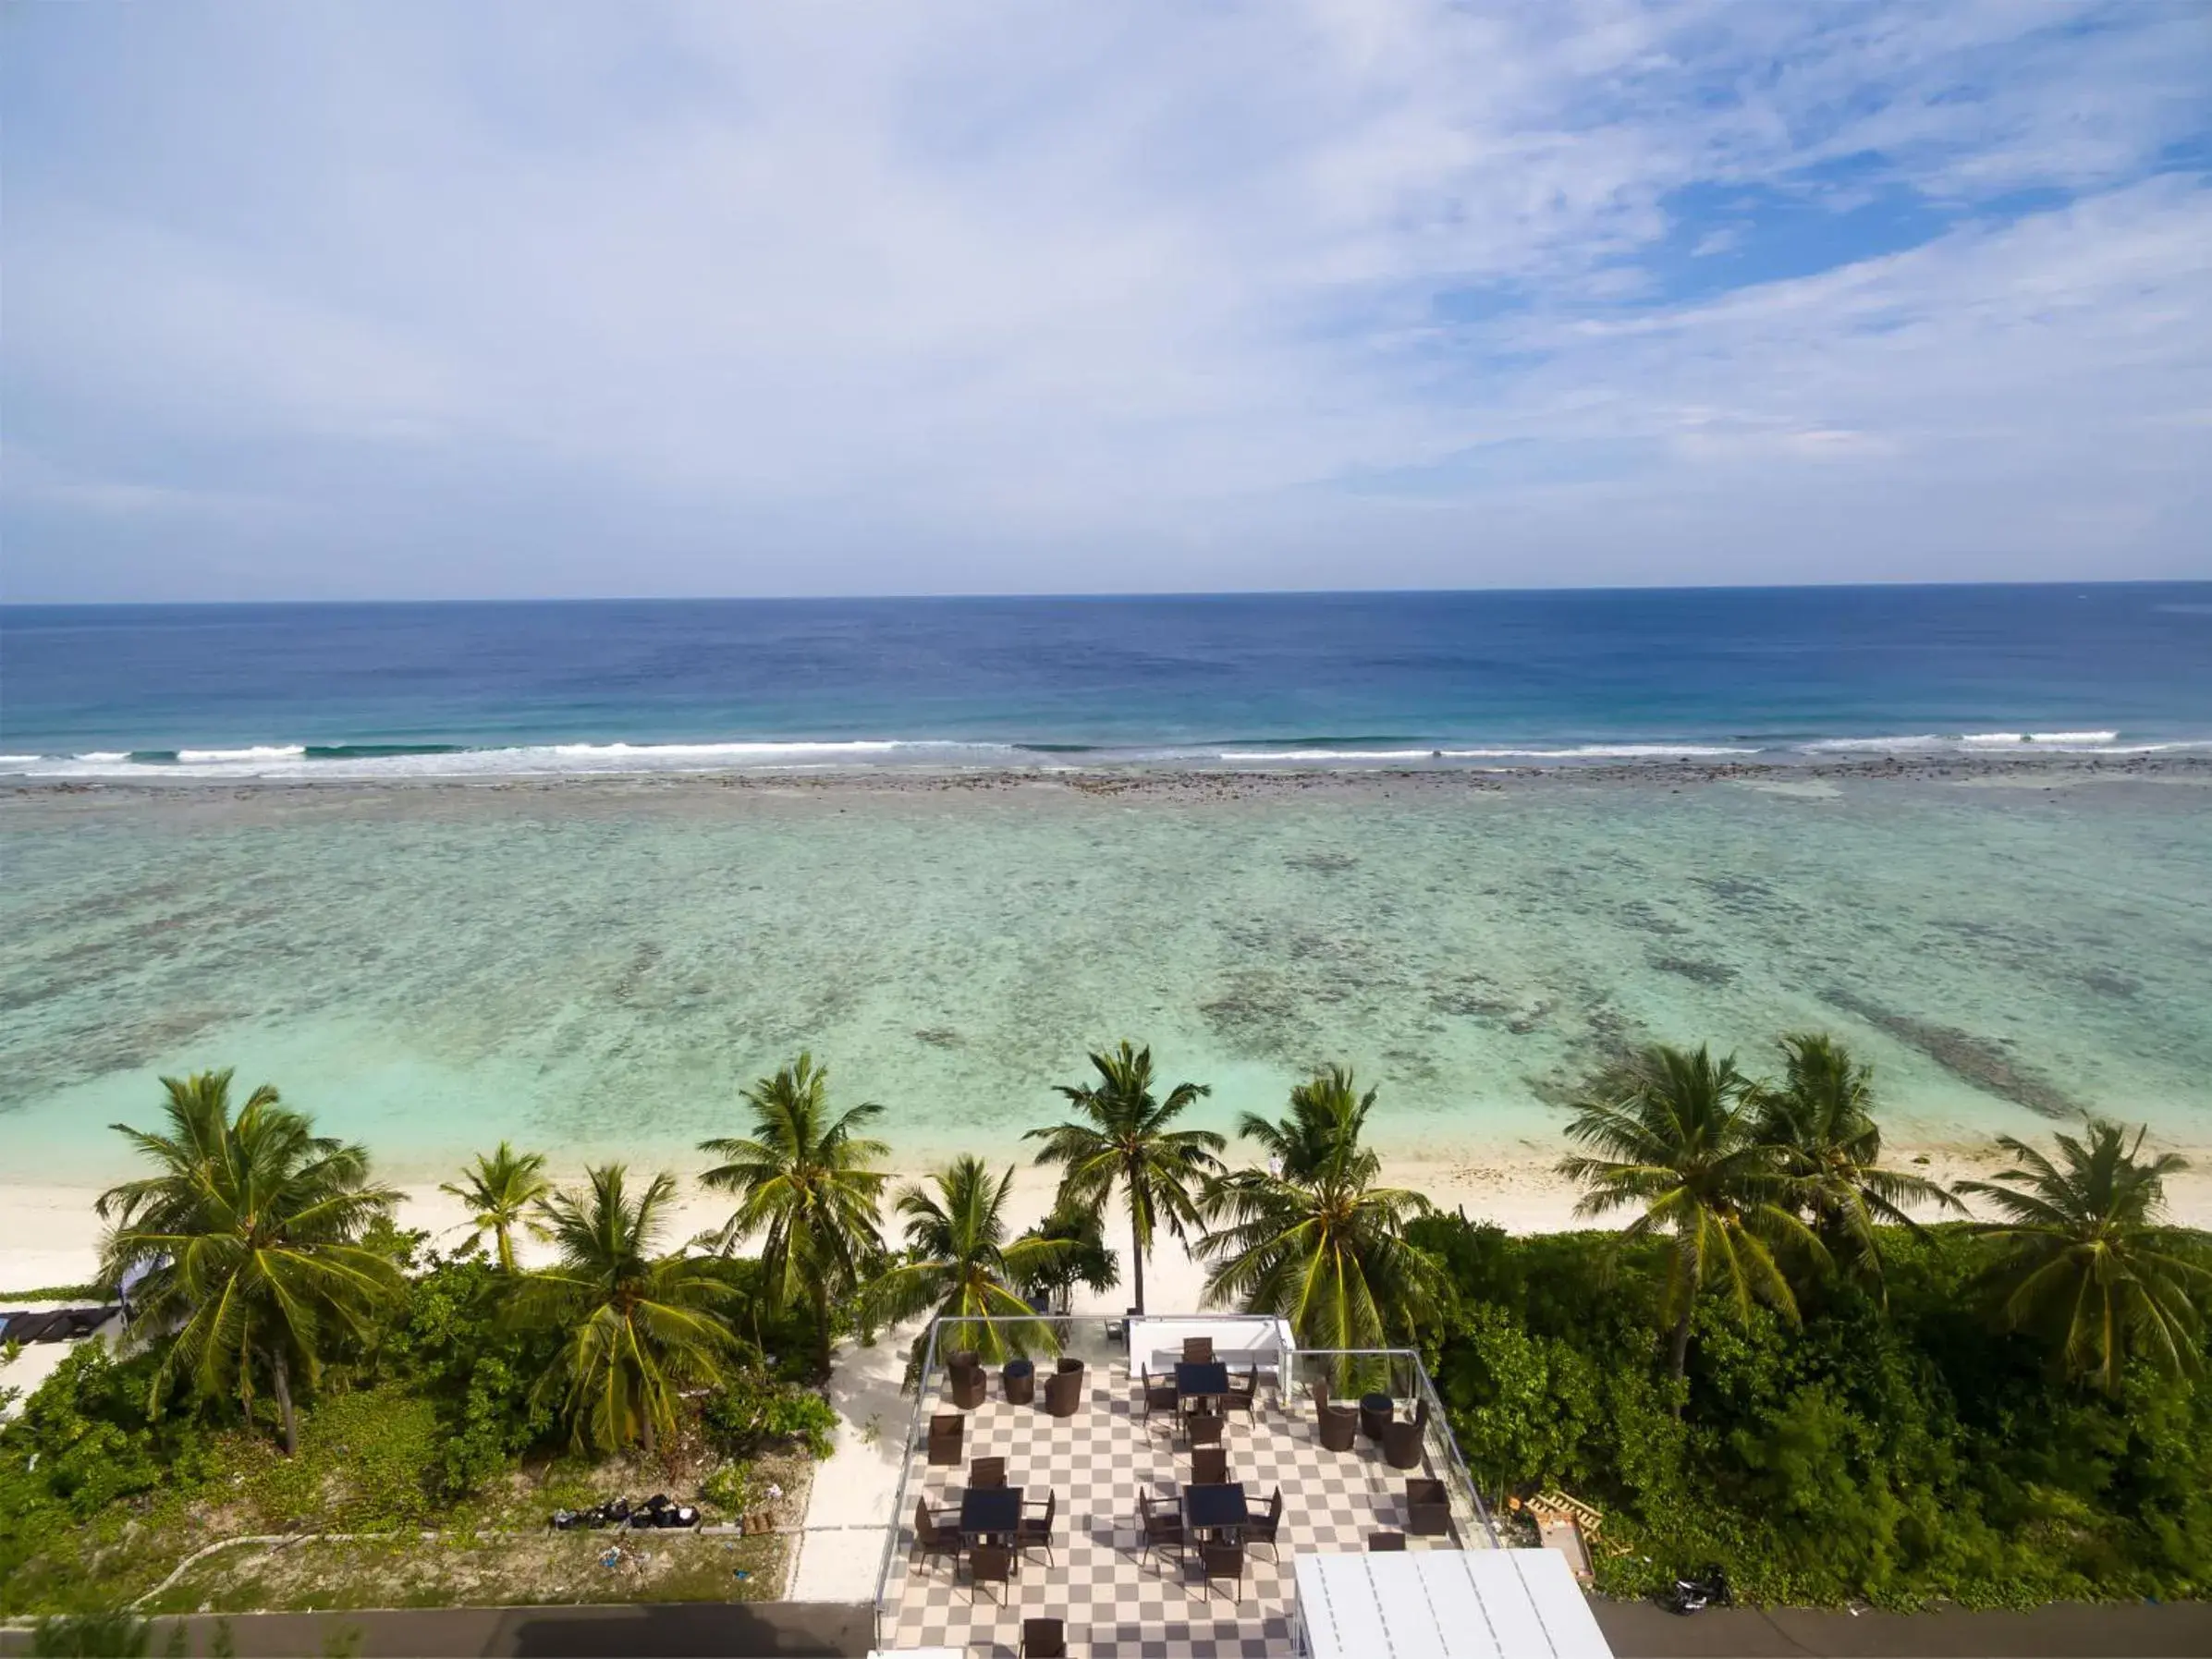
991,1512
1216,1509
1201,1382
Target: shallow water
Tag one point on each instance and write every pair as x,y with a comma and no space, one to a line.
590,968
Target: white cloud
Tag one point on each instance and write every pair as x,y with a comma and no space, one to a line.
849,297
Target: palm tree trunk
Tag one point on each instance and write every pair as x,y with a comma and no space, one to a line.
1136,1259
506,1248
281,1375
1679,1350
821,1298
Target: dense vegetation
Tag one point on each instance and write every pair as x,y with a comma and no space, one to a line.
1897,1453
327,1371
1774,1367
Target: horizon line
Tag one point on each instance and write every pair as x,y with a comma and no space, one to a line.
1097,597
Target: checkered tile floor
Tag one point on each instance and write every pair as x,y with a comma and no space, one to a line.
1117,1603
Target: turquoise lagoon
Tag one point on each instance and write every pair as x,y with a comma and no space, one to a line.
597,966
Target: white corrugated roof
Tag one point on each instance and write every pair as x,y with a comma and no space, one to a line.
1445,1605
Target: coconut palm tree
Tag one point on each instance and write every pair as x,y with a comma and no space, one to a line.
1821,1123
961,1265
636,1326
2083,1255
1327,1113
804,1182
501,1192
1676,1133
251,1233
1123,1140
1316,1242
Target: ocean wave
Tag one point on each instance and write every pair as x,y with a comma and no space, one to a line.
1587,751
2070,738
2065,742
369,761
216,757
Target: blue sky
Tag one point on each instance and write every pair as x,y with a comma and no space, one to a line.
388,299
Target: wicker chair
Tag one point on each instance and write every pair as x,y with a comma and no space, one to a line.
1162,1526
945,1434
1243,1393
1428,1509
1034,1532
989,1564
1339,1428
1265,1528
970,1387
1158,1397
1198,1350
932,1537
1044,1639
1224,1561
1209,1466
1204,1427
1385,1541
1401,1445
1064,1390
987,1473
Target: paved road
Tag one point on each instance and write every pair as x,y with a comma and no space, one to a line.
679,1630
1635,1631
2134,1631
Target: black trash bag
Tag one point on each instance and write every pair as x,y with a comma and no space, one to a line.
1695,1594
643,1520
616,1509
565,1521
685,1515
658,1502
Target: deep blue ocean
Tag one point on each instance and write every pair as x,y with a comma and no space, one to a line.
1453,677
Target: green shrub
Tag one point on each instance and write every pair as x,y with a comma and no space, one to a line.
753,1409
1897,1453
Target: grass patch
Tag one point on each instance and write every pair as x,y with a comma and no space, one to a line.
552,1568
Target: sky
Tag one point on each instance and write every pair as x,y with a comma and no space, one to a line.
390,299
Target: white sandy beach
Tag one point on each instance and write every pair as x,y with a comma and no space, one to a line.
49,1234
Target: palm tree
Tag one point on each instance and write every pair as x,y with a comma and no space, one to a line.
961,1265
1124,1141
501,1192
1821,1123
1678,1133
2082,1253
1326,1113
803,1180
1316,1242
636,1326
250,1236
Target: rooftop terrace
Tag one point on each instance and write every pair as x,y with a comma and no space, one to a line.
1114,1599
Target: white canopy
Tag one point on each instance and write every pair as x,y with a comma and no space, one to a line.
1445,1605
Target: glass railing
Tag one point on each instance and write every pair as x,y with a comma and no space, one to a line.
1293,1374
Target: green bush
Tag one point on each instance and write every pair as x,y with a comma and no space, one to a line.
1897,1453
755,1410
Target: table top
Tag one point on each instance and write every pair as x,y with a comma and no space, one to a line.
1216,1505
991,1509
1202,1379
